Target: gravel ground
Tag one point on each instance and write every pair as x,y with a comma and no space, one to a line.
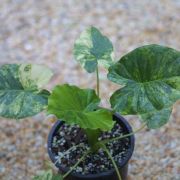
44,32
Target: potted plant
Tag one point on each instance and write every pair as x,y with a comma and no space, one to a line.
89,141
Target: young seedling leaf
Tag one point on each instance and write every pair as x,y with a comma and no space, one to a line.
151,78
57,177
47,175
20,90
92,48
77,106
44,175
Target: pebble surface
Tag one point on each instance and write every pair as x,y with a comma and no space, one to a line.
44,32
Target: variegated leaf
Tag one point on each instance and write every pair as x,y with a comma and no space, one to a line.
151,79
20,90
34,76
157,118
92,48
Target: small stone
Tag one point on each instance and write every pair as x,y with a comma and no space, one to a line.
2,169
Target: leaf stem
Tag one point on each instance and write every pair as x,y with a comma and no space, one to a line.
114,163
78,162
97,80
124,136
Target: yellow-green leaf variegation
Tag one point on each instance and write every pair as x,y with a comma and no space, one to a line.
93,48
151,78
21,93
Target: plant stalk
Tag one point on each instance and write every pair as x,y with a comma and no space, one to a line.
78,162
114,163
92,136
124,136
97,80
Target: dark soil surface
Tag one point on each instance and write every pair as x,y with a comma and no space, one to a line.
69,136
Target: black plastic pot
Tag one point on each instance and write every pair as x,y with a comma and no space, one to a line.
109,175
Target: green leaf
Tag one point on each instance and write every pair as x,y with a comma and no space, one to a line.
151,76
92,48
20,90
47,175
77,106
57,177
44,175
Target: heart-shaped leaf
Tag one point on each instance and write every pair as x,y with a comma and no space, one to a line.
20,90
151,78
77,106
92,48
